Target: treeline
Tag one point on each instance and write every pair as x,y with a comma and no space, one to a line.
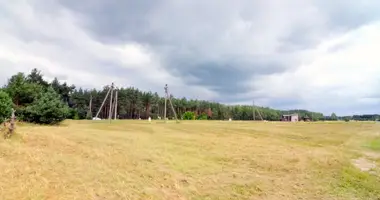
373,117
27,91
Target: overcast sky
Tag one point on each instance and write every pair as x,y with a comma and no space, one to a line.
314,54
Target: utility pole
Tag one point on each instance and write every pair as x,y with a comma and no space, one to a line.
90,107
166,98
116,104
253,110
175,114
258,112
100,109
158,109
261,117
110,111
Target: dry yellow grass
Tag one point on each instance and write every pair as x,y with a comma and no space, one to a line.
190,160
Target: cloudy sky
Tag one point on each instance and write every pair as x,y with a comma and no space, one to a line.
313,54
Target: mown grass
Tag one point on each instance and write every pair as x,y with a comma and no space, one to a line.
355,183
189,160
374,144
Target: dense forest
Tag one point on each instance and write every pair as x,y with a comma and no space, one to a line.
27,90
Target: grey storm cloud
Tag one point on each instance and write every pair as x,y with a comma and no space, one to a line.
192,36
235,51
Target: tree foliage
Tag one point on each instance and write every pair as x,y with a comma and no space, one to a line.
27,90
202,116
5,106
48,109
21,90
188,115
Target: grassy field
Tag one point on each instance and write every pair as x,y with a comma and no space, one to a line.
191,160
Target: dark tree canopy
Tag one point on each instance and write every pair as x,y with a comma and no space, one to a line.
48,109
5,106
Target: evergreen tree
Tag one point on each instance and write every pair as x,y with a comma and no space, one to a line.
5,106
48,109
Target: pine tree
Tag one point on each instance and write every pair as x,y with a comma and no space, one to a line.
5,106
48,109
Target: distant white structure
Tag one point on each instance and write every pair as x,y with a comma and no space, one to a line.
290,118
96,118
230,119
149,119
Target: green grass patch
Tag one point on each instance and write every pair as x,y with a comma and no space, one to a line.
355,183
374,144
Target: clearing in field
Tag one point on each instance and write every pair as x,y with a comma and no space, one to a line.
191,160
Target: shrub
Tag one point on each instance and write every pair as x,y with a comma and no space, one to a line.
76,116
188,116
202,116
73,114
5,106
48,109
22,114
89,115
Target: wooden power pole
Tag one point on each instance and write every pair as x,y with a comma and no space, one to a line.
167,97
253,110
110,111
115,104
258,112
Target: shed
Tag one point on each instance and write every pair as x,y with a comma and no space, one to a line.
290,118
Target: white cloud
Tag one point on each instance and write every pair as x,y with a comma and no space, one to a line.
342,72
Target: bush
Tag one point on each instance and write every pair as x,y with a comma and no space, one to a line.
188,116
5,106
22,114
48,109
203,116
73,114
89,115
76,116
